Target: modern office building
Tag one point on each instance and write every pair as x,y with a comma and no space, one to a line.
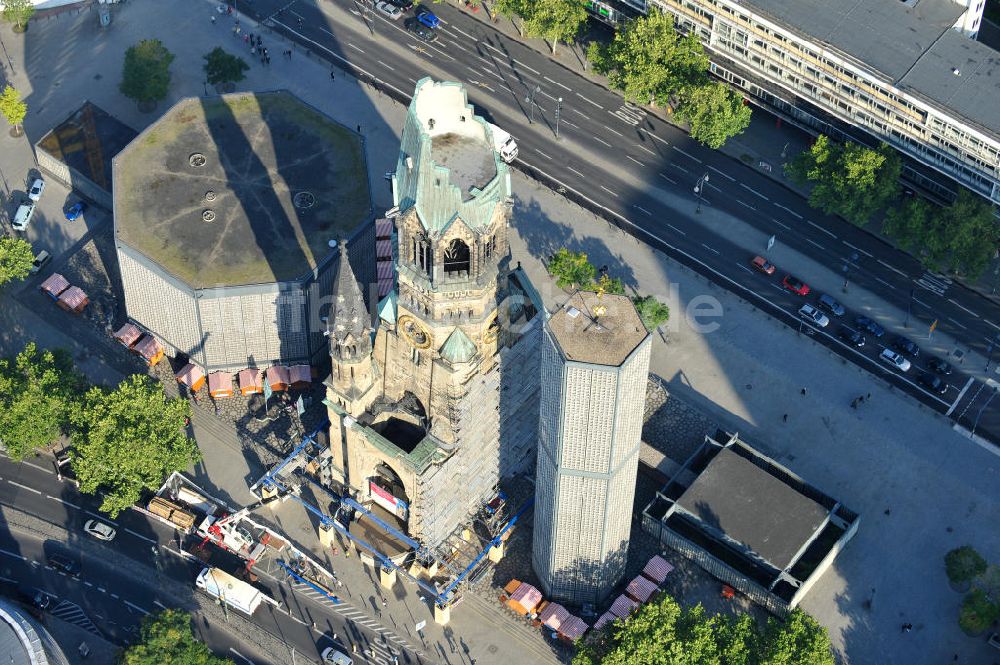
907,73
595,360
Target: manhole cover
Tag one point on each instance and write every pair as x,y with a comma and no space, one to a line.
209,195
197,159
304,200
208,215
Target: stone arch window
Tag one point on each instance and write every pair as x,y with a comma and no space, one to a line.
423,254
457,258
489,247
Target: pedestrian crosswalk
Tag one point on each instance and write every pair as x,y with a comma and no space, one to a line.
935,283
74,614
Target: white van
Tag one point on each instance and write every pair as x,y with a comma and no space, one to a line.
23,216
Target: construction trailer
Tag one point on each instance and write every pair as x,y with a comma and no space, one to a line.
235,593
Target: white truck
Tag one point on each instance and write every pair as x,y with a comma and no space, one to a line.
504,143
233,592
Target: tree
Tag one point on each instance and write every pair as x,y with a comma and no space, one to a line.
571,269
16,257
555,20
38,390
849,180
13,107
221,67
648,60
512,8
964,564
146,71
798,640
18,12
977,612
128,440
652,312
606,284
167,639
714,112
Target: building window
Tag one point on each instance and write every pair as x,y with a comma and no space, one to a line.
456,258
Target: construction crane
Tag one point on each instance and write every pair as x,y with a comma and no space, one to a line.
225,531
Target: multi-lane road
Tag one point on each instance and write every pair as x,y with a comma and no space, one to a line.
640,172
110,602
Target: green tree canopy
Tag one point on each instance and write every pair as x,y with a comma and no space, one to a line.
146,71
129,439
514,8
664,633
18,12
964,564
167,639
571,269
12,107
554,20
714,111
222,67
649,61
38,391
651,311
849,180
16,257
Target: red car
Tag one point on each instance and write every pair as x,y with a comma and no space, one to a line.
763,265
795,285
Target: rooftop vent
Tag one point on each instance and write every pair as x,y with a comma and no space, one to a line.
197,159
572,312
430,123
208,215
956,71
409,163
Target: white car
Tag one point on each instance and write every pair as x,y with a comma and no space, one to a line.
36,190
813,315
331,655
389,11
895,359
41,259
99,530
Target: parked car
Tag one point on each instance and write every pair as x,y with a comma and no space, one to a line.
895,359
335,657
99,530
869,326
933,383
426,16
35,597
23,216
41,259
420,31
763,265
404,5
389,10
939,366
851,336
37,187
795,285
828,303
75,211
65,564
813,315
906,346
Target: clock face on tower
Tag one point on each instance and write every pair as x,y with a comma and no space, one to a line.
414,332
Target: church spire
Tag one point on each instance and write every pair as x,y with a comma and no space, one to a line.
349,324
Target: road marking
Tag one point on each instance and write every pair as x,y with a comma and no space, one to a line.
885,283
744,203
139,535
753,191
686,154
641,209
892,268
642,147
102,589
160,605
711,249
385,65
815,225
961,394
24,487
579,112
542,154
458,29
668,178
241,656
16,556
957,323
964,309
656,138
598,138
576,172
354,47
634,160
533,71
781,224
613,131
115,596
40,468
135,607
676,229
571,124
587,100
102,518
856,249
723,174
609,191
745,268
67,503
789,210
994,325
680,168
88,583
708,184
813,242
921,302
557,83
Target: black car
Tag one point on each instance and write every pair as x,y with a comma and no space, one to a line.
852,337
405,5
906,347
870,326
65,564
939,366
420,31
35,597
933,383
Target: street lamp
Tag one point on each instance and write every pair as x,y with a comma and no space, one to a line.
558,109
530,100
699,189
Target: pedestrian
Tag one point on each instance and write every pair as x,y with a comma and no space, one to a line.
802,392
246,38
289,54
339,584
333,76
359,129
384,603
259,40
861,399
784,418
253,50
251,36
907,627
213,20
335,636
869,397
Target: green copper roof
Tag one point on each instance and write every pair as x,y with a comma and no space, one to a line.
458,348
448,167
387,307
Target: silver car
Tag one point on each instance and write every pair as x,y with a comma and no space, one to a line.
813,315
895,359
99,530
37,187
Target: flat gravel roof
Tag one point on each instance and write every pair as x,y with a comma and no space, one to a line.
240,189
586,334
753,507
